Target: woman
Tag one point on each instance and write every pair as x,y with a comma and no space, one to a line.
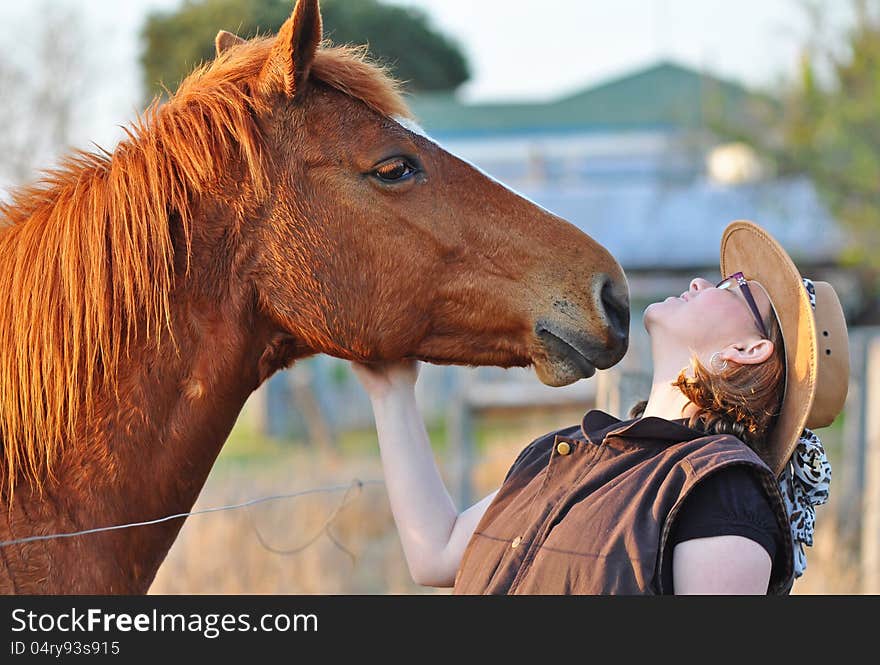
709,488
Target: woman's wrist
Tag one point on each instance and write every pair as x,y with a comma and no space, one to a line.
393,394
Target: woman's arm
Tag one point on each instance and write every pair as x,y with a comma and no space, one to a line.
433,533
725,536
720,565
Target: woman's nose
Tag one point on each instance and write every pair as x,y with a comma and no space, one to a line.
698,284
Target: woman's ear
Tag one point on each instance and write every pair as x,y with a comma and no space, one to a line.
748,353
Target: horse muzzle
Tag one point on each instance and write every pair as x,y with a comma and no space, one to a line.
568,354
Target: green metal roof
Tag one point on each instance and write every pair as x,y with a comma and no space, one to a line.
666,95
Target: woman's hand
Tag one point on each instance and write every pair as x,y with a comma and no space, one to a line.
382,379
423,511
433,533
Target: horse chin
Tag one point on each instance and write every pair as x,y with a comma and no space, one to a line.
561,362
562,372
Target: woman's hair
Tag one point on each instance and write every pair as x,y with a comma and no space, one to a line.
742,400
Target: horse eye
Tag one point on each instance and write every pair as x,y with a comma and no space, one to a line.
396,170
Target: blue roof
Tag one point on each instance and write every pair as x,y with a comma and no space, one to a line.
647,225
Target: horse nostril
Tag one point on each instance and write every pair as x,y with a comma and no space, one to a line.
616,310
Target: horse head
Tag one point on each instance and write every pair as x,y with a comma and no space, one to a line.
374,243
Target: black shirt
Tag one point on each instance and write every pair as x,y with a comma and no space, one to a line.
728,503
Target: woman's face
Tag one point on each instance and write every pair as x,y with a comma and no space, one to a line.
705,319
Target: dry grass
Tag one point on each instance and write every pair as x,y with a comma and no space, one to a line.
347,544
832,567
332,543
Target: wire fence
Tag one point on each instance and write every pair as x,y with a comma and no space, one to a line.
355,484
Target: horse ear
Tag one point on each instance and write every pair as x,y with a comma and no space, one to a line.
294,51
225,40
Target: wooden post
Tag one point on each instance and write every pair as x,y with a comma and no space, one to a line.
320,430
848,481
634,387
254,415
619,389
460,437
608,391
871,506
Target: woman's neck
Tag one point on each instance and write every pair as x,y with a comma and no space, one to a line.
666,400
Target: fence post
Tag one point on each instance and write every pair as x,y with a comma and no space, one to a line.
255,413
850,480
460,436
608,391
319,428
619,390
871,506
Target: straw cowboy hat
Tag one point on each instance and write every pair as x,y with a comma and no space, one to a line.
813,329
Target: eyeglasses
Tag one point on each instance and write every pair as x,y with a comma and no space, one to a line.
738,279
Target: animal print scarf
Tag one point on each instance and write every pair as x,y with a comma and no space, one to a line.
805,482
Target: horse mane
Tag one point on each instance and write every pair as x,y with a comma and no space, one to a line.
87,251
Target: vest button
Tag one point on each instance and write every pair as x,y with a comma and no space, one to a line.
515,543
563,448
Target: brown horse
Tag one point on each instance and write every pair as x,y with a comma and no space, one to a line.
277,206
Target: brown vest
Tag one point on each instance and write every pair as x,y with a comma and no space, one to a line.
588,509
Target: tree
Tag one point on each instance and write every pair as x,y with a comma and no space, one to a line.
39,101
398,37
828,128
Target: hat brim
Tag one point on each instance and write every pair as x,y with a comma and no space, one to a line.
747,248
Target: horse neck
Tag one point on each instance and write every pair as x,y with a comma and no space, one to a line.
151,452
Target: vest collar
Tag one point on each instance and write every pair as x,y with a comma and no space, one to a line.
596,425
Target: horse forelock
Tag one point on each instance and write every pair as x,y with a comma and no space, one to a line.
87,251
349,70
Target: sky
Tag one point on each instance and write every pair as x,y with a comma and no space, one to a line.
527,49
518,49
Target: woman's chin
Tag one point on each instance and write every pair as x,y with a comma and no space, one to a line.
651,311
654,313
